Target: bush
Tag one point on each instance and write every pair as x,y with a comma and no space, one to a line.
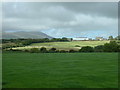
34,50
111,47
52,50
77,46
26,50
57,51
118,48
43,50
10,49
99,48
71,51
17,50
86,49
63,51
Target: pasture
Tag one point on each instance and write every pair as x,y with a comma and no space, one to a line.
65,45
60,70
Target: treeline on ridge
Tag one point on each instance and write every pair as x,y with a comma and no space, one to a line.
11,43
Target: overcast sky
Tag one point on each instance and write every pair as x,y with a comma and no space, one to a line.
67,19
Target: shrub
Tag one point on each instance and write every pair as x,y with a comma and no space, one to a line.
86,49
43,50
34,50
26,50
111,47
63,51
10,49
77,46
71,51
57,51
16,50
118,48
52,50
99,48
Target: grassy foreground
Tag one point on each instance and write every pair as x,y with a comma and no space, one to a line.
60,70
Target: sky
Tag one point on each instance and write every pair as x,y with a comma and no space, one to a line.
62,19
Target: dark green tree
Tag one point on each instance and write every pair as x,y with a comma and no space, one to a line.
111,38
34,50
43,50
72,51
86,49
63,51
118,37
52,50
98,48
64,39
111,47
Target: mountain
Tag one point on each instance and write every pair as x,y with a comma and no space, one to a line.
24,34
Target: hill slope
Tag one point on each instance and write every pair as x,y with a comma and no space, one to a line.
23,34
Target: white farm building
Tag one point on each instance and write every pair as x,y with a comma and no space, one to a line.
80,38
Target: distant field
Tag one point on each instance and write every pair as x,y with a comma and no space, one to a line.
60,70
65,45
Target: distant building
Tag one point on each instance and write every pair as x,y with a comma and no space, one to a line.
80,38
90,39
99,38
69,39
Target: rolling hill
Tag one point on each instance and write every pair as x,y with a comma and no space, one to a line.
24,34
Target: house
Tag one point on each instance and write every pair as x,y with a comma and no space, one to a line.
69,39
80,38
99,38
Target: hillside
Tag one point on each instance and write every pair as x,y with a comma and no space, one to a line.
23,34
64,45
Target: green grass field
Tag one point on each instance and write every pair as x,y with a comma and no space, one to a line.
65,45
60,70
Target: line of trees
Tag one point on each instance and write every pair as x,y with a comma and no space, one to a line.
27,41
107,47
114,38
11,43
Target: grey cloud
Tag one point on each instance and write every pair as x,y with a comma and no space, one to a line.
108,9
59,18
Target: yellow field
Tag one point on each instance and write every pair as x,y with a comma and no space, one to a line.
65,45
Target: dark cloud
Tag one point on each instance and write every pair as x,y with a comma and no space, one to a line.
107,9
58,18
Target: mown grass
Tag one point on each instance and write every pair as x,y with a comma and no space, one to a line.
65,45
60,70
71,44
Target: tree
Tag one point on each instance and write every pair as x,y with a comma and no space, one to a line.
98,48
118,48
63,51
64,39
54,39
34,50
86,49
43,50
52,50
118,37
71,51
46,39
111,38
111,47
71,39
